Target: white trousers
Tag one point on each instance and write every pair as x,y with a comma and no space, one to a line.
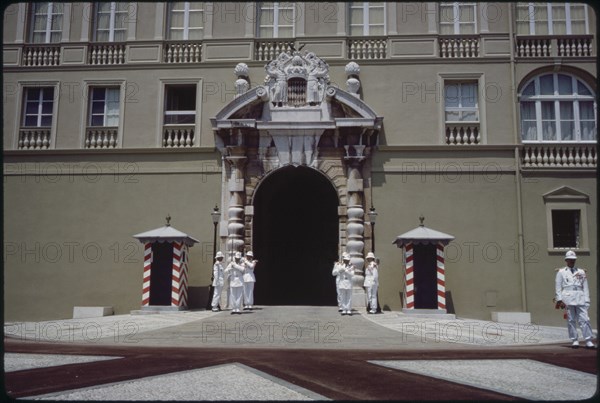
346,299
578,313
372,297
339,298
236,297
249,293
216,296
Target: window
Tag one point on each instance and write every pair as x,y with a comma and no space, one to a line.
111,21
276,20
46,22
185,20
38,106
565,228
367,18
552,19
566,217
457,18
104,106
557,107
461,102
180,104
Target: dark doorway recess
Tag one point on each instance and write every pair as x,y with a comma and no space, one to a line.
160,274
295,238
425,269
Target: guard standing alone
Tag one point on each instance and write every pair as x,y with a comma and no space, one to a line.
371,282
218,281
572,293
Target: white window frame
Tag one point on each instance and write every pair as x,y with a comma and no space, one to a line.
111,27
160,122
456,23
479,77
550,21
575,98
22,85
186,20
48,29
87,86
461,108
276,24
40,103
366,7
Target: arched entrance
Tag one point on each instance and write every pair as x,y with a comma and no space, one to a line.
295,233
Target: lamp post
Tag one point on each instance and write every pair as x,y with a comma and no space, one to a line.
216,216
372,217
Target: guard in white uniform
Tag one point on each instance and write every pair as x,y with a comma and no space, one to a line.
249,279
371,282
572,293
345,272
337,285
218,281
235,273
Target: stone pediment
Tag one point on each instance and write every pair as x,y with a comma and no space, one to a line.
566,193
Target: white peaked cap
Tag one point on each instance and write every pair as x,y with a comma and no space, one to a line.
370,255
346,256
249,253
570,255
238,255
219,254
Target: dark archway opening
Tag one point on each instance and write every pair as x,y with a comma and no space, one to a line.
425,269
295,238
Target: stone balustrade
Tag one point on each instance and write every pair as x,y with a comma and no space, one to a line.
459,46
182,52
367,48
101,137
42,55
554,46
559,155
106,53
462,133
267,50
34,139
176,136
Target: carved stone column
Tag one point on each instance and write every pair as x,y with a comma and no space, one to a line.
355,227
235,227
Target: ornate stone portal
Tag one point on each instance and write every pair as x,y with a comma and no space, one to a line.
297,118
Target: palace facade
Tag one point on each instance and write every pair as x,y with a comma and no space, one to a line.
301,122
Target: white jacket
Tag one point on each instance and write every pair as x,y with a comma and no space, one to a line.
218,276
249,271
235,272
572,288
371,275
345,272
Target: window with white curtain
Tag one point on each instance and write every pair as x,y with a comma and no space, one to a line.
38,106
552,19
104,106
458,18
185,20
46,22
557,107
111,21
276,19
461,102
367,18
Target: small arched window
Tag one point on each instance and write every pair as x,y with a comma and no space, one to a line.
557,107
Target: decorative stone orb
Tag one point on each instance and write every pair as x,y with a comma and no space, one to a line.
241,70
353,85
352,69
